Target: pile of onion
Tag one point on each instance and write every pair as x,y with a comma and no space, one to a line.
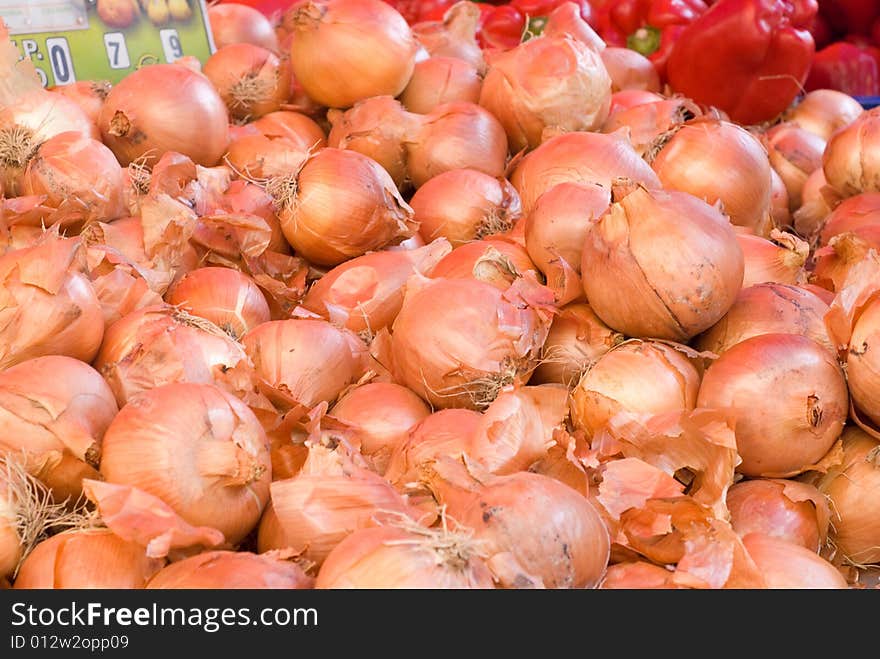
347,50
457,342
548,82
789,397
661,264
197,448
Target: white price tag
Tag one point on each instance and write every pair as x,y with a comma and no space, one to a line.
171,45
117,50
58,52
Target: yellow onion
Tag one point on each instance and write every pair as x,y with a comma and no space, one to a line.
794,153
779,201
408,557
579,158
344,51
555,231
629,98
48,305
718,161
30,115
88,558
158,345
824,111
639,575
365,294
165,107
850,160
462,205
577,338
329,499
629,69
548,82
647,121
381,415
833,263
226,297
295,126
438,80
197,448
80,179
512,434
785,564
249,199
89,95
661,264
54,411
851,484
454,36
457,342
779,259
537,532
256,157
789,398
251,80
817,202
377,127
769,309
456,136
239,23
499,261
306,359
566,20
224,570
338,205
851,215
785,509
636,377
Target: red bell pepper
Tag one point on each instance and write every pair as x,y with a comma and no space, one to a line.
749,58
501,27
650,27
848,67
850,16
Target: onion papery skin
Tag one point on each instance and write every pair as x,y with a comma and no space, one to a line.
389,557
239,23
780,261
381,415
230,570
555,231
462,205
455,136
789,398
439,80
549,82
54,411
718,161
850,161
852,486
637,377
824,111
307,359
226,297
79,177
661,264
861,362
794,154
196,447
851,214
629,69
159,345
89,558
365,294
646,122
456,342
769,309
579,158
787,509
789,565
339,205
498,261
344,51
165,107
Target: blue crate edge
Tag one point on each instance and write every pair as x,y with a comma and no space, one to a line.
868,102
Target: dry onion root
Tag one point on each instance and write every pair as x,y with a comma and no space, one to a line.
252,81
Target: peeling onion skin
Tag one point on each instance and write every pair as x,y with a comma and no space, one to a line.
661,264
788,565
638,377
789,397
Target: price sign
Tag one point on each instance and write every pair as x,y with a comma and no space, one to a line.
70,40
